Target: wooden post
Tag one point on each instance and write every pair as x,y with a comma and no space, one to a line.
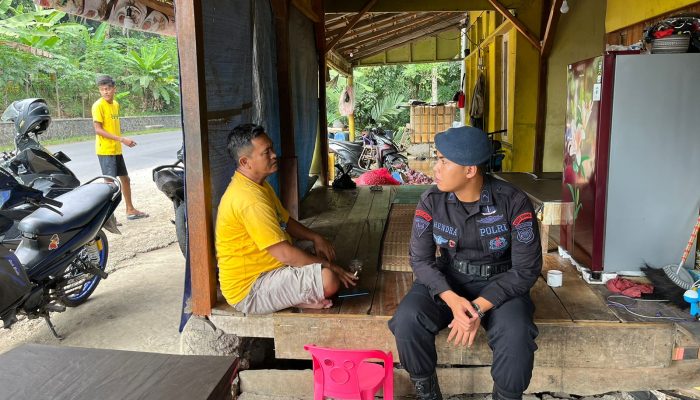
320,30
190,39
289,178
351,117
541,121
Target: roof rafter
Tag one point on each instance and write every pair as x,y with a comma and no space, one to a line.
392,30
352,23
415,34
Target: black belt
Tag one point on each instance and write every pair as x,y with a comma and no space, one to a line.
483,270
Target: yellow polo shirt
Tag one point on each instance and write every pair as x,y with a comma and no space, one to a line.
250,219
108,115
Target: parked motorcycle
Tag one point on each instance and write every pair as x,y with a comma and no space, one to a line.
374,150
63,252
170,179
32,164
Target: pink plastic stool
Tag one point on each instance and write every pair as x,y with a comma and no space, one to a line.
345,374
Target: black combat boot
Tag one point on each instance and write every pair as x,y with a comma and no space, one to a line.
427,388
499,394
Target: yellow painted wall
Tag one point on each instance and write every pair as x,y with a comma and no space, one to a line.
623,13
579,35
523,81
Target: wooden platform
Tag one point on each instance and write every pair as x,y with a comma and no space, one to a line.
582,342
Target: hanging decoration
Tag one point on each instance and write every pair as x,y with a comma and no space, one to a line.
346,103
130,14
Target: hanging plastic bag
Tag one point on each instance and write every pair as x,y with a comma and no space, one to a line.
346,103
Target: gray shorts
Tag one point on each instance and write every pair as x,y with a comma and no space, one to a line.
113,165
282,288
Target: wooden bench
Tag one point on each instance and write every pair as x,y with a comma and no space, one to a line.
582,342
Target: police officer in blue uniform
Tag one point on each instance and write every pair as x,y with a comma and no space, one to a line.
489,256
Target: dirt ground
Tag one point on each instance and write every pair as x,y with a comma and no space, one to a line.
138,306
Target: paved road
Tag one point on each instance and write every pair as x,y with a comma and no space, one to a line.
152,150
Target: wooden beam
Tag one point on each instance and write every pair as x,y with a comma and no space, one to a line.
518,25
320,31
427,30
289,178
393,30
190,39
350,25
502,29
552,22
349,6
339,63
372,22
159,6
305,8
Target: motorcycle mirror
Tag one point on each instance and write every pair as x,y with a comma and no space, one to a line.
62,157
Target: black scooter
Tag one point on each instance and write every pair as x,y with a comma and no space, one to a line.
32,164
63,252
170,179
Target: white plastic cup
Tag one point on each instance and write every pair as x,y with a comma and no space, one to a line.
554,278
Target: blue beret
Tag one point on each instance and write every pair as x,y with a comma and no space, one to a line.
465,145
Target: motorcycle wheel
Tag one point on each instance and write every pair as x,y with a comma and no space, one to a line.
87,280
181,228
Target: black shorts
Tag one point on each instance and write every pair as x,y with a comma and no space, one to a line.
113,165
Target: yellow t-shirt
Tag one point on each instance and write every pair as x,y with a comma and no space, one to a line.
250,219
108,115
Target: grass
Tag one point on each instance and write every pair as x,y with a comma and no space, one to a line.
85,138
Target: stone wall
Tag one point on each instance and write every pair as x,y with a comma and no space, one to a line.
66,128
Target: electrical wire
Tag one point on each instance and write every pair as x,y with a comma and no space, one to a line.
471,24
626,307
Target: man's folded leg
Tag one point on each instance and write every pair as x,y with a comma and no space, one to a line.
283,288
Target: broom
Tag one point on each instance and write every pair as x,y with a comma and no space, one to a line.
671,281
681,276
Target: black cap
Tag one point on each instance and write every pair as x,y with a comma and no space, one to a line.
465,145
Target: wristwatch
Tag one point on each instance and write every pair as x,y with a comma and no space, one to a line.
478,310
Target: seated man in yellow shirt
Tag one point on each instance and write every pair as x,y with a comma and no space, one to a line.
260,271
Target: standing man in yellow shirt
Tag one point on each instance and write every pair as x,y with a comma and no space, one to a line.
260,270
108,146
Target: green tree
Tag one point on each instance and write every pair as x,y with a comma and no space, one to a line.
151,73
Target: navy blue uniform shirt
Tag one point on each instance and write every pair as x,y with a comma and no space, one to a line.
501,226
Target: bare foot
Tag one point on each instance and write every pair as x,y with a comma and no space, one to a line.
325,303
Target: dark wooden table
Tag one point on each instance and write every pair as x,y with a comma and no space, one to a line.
38,372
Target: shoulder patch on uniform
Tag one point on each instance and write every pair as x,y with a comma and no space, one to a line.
522,218
424,215
524,233
419,226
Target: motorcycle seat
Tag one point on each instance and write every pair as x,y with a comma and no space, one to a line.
80,206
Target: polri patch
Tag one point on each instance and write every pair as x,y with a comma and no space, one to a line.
493,230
